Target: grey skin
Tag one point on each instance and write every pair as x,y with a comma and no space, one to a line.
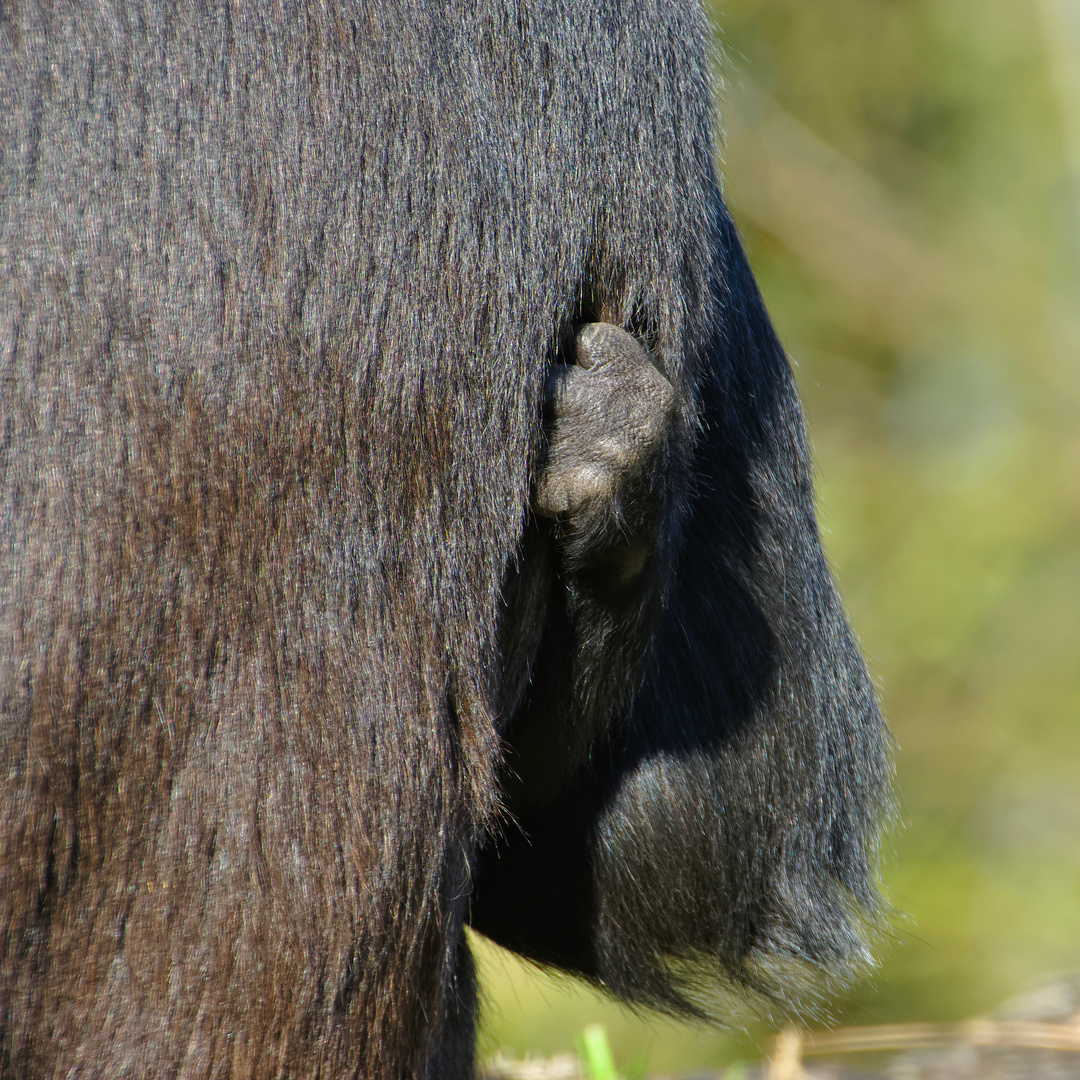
611,410
609,416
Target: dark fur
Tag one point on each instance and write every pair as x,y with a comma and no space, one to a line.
279,293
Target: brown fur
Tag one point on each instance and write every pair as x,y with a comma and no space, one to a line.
279,292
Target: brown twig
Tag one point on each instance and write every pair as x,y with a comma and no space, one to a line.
1015,1033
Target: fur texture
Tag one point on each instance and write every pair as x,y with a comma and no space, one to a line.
280,291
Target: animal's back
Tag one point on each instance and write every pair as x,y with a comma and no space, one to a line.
277,295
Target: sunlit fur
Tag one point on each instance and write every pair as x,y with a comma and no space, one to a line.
279,292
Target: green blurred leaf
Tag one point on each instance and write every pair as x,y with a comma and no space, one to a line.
596,1053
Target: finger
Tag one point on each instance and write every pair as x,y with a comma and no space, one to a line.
601,343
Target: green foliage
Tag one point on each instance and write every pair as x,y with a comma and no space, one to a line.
906,175
596,1053
923,270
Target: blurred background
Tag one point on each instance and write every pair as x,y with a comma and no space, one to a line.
906,177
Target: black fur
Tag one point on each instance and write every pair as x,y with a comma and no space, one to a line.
280,294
